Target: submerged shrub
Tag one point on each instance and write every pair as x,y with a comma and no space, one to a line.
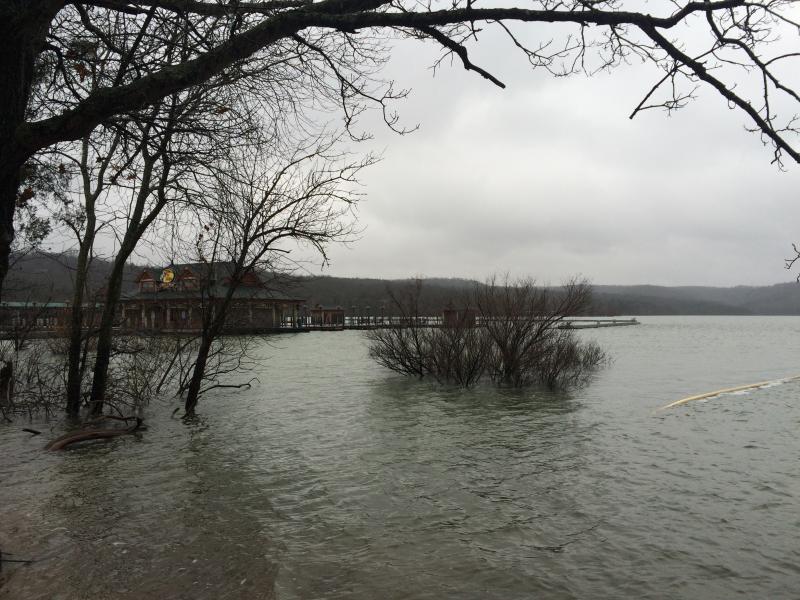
514,336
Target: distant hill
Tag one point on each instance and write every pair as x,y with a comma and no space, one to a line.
44,276
371,296
49,276
782,299
778,299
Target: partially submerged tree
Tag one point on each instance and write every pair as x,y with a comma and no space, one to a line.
258,207
522,320
170,152
510,331
91,159
172,148
130,169
406,348
48,47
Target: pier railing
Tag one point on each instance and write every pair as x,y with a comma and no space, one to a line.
382,322
47,329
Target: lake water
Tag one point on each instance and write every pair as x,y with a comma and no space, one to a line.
334,478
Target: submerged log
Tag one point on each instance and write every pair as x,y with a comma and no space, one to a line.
85,435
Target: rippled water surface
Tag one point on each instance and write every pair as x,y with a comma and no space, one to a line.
333,478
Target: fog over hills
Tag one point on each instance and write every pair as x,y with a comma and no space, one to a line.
43,276
778,299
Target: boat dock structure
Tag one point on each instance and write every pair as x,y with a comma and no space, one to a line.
252,314
365,323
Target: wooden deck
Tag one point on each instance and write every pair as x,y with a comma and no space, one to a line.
584,323
351,323
366,323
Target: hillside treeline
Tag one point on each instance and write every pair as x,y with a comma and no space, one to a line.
46,276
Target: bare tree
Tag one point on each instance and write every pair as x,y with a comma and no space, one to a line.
48,46
516,338
406,348
158,154
563,361
260,206
460,351
170,156
150,159
91,159
456,352
522,319
130,169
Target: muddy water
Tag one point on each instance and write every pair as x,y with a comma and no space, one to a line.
332,478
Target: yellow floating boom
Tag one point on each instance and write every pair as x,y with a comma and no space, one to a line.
727,391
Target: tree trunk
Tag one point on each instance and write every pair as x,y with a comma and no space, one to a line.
193,394
105,333
74,354
23,26
9,183
210,333
13,98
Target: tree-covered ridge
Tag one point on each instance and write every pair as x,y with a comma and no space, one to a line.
48,277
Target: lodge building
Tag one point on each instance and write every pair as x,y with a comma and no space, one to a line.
175,299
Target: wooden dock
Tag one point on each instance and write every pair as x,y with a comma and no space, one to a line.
585,323
350,323
366,323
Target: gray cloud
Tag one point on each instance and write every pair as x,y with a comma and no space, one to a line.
550,178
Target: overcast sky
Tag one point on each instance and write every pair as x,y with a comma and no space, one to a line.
550,178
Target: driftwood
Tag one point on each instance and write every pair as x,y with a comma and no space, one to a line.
85,435
31,431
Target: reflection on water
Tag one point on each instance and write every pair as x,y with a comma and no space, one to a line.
336,479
